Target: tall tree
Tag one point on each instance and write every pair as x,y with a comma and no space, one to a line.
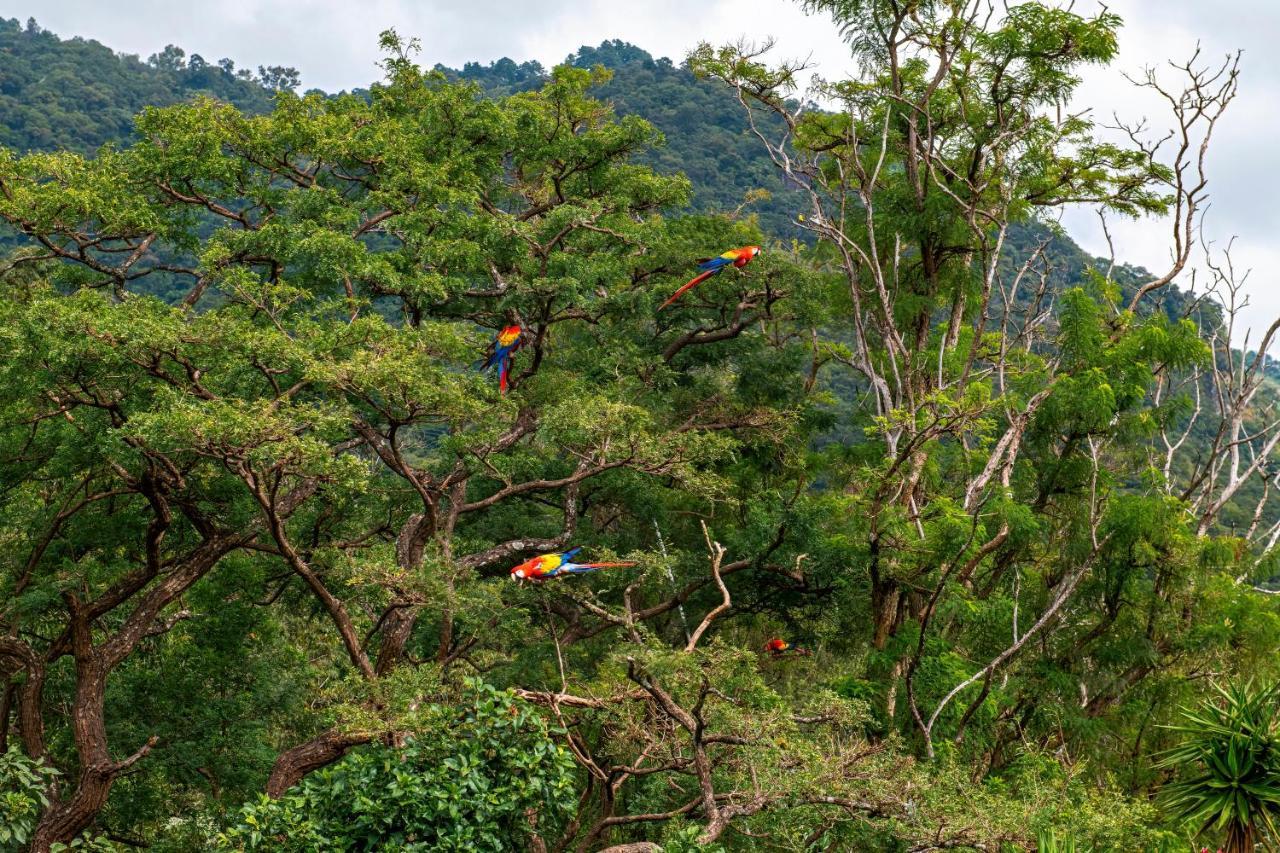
311,400
996,477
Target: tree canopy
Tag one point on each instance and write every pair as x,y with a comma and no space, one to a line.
262,504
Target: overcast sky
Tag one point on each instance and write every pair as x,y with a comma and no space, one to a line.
333,43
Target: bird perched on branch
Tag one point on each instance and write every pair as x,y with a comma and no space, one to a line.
548,566
499,353
778,647
734,257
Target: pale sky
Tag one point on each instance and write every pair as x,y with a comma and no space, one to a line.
333,43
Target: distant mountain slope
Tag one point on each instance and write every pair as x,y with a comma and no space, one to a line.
709,140
76,94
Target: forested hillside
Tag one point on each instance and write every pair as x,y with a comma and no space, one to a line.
365,486
77,95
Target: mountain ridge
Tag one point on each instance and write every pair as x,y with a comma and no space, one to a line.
78,94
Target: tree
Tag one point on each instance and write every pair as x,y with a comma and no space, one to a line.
172,58
310,401
1000,432
470,780
278,78
1229,765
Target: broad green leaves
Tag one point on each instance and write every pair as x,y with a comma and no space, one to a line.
481,774
24,785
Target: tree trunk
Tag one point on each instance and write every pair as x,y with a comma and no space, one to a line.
66,819
885,599
395,634
1240,838
295,763
26,696
410,545
6,702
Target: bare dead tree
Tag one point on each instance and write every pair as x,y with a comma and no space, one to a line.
1230,401
1197,103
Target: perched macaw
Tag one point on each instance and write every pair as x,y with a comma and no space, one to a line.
777,647
504,344
734,257
554,565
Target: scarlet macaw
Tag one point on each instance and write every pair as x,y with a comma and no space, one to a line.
547,566
777,647
734,257
504,344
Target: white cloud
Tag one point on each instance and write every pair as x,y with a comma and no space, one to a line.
1243,181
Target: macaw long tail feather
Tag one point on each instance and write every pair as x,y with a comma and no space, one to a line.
495,359
691,284
503,367
580,568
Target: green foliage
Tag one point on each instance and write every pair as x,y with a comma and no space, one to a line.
683,838
1048,841
88,844
473,778
24,785
1229,760
78,95
260,500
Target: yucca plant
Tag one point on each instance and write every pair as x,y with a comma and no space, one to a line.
1047,841
1229,759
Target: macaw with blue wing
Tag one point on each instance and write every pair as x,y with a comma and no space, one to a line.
504,344
547,566
738,258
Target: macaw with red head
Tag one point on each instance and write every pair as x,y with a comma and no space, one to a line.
777,647
547,566
504,344
733,258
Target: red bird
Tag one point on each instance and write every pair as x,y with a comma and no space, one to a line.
734,257
777,647
504,344
546,566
